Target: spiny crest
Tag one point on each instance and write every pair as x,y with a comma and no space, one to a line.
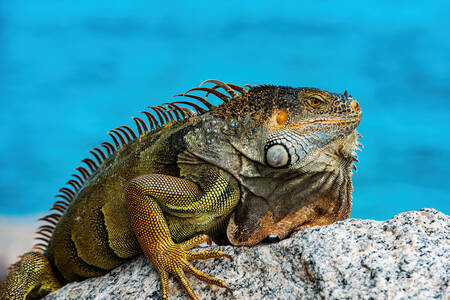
359,147
158,117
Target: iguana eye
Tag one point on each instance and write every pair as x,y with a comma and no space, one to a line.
277,156
315,101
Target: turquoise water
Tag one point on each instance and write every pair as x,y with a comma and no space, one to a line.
71,71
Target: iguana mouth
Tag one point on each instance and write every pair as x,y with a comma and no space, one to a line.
348,120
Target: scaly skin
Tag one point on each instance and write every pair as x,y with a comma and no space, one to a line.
268,161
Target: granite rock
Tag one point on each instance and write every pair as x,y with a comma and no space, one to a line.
406,257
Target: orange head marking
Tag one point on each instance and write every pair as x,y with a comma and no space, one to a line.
282,117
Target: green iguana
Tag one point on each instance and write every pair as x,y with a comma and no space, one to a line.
266,162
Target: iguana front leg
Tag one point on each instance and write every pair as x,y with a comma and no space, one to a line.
190,208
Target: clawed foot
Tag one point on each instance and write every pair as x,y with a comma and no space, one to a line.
174,259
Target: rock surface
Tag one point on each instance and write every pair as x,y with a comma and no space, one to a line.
406,257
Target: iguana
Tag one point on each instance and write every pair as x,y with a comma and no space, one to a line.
266,162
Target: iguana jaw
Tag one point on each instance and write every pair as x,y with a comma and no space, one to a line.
324,121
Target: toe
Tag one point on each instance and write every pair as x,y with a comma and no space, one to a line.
207,255
197,240
164,276
208,279
183,281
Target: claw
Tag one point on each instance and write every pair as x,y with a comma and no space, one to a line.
228,256
228,289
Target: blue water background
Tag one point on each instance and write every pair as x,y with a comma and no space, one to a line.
72,70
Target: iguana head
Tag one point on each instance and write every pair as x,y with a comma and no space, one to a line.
307,122
297,147
292,151
290,128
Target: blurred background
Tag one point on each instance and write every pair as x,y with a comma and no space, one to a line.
71,71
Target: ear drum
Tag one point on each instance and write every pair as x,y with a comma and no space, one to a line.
282,117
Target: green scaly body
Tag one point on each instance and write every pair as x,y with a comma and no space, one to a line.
220,172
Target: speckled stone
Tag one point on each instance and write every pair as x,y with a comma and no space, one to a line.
406,257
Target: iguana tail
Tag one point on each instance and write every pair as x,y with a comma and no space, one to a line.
30,278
